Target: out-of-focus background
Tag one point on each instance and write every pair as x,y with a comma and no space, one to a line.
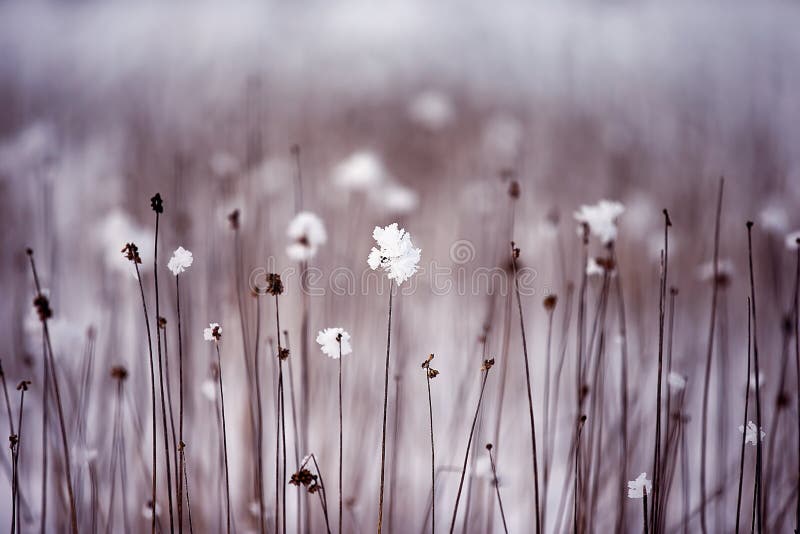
417,113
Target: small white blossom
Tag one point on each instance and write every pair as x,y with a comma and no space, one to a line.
601,218
213,332
255,509
431,109
395,198
637,488
593,268
180,261
306,232
676,380
791,240
360,171
209,389
750,434
774,219
329,343
395,253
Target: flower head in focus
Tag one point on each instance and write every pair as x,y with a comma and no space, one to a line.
395,253
638,487
213,332
329,339
601,219
274,284
430,371
751,432
307,233
180,261
157,204
131,252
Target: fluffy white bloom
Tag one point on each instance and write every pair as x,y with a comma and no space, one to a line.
774,219
636,488
431,109
330,345
593,268
213,328
307,233
601,218
395,253
791,240
360,171
676,380
180,261
751,433
209,389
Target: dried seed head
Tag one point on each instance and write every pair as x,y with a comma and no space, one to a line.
131,251
216,333
487,364
513,189
118,372
162,323
606,263
233,218
23,386
550,302
157,204
274,284
283,354
43,309
488,446
432,373
427,361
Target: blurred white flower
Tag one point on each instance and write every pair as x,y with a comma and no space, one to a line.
774,219
676,380
791,240
116,229
209,389
502,139
593,268
307,233
751,433
431,109
180,261
395,198
636,488
329,343
705,272
224,164
360,171
396,253
213,332
601,218
147,510
255,509
31,147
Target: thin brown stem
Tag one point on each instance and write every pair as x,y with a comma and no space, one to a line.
385,407
224,442
496,485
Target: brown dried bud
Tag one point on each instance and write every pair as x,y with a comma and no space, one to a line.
131,251
550,302
233,218
157,204
162,323
432,373
513,189
23,386
427,361
283,354
487,364
274,284
118,372
42,305
488,446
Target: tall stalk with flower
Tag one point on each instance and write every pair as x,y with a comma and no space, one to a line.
430,372
335,343
275,288
397,256
214,333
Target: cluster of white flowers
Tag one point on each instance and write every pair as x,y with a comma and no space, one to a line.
751,432
637,488
328,340
180,261
307,233
395,253
601,219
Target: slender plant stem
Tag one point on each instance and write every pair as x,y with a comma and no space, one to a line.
744,422
259,425
577,479
797,368
496,485
50,361
224,442
385,406
759,446
341,433
469,445
644,506
709,355
181,467
433,455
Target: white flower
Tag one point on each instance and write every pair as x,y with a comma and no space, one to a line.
601,218
750,434
329,344
307,233
360,171
180,261
791,240
395,198
774,219
431,109
724,269
147,510
676,380
213,332
637,488
255,509
209,389
396,253
593,268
